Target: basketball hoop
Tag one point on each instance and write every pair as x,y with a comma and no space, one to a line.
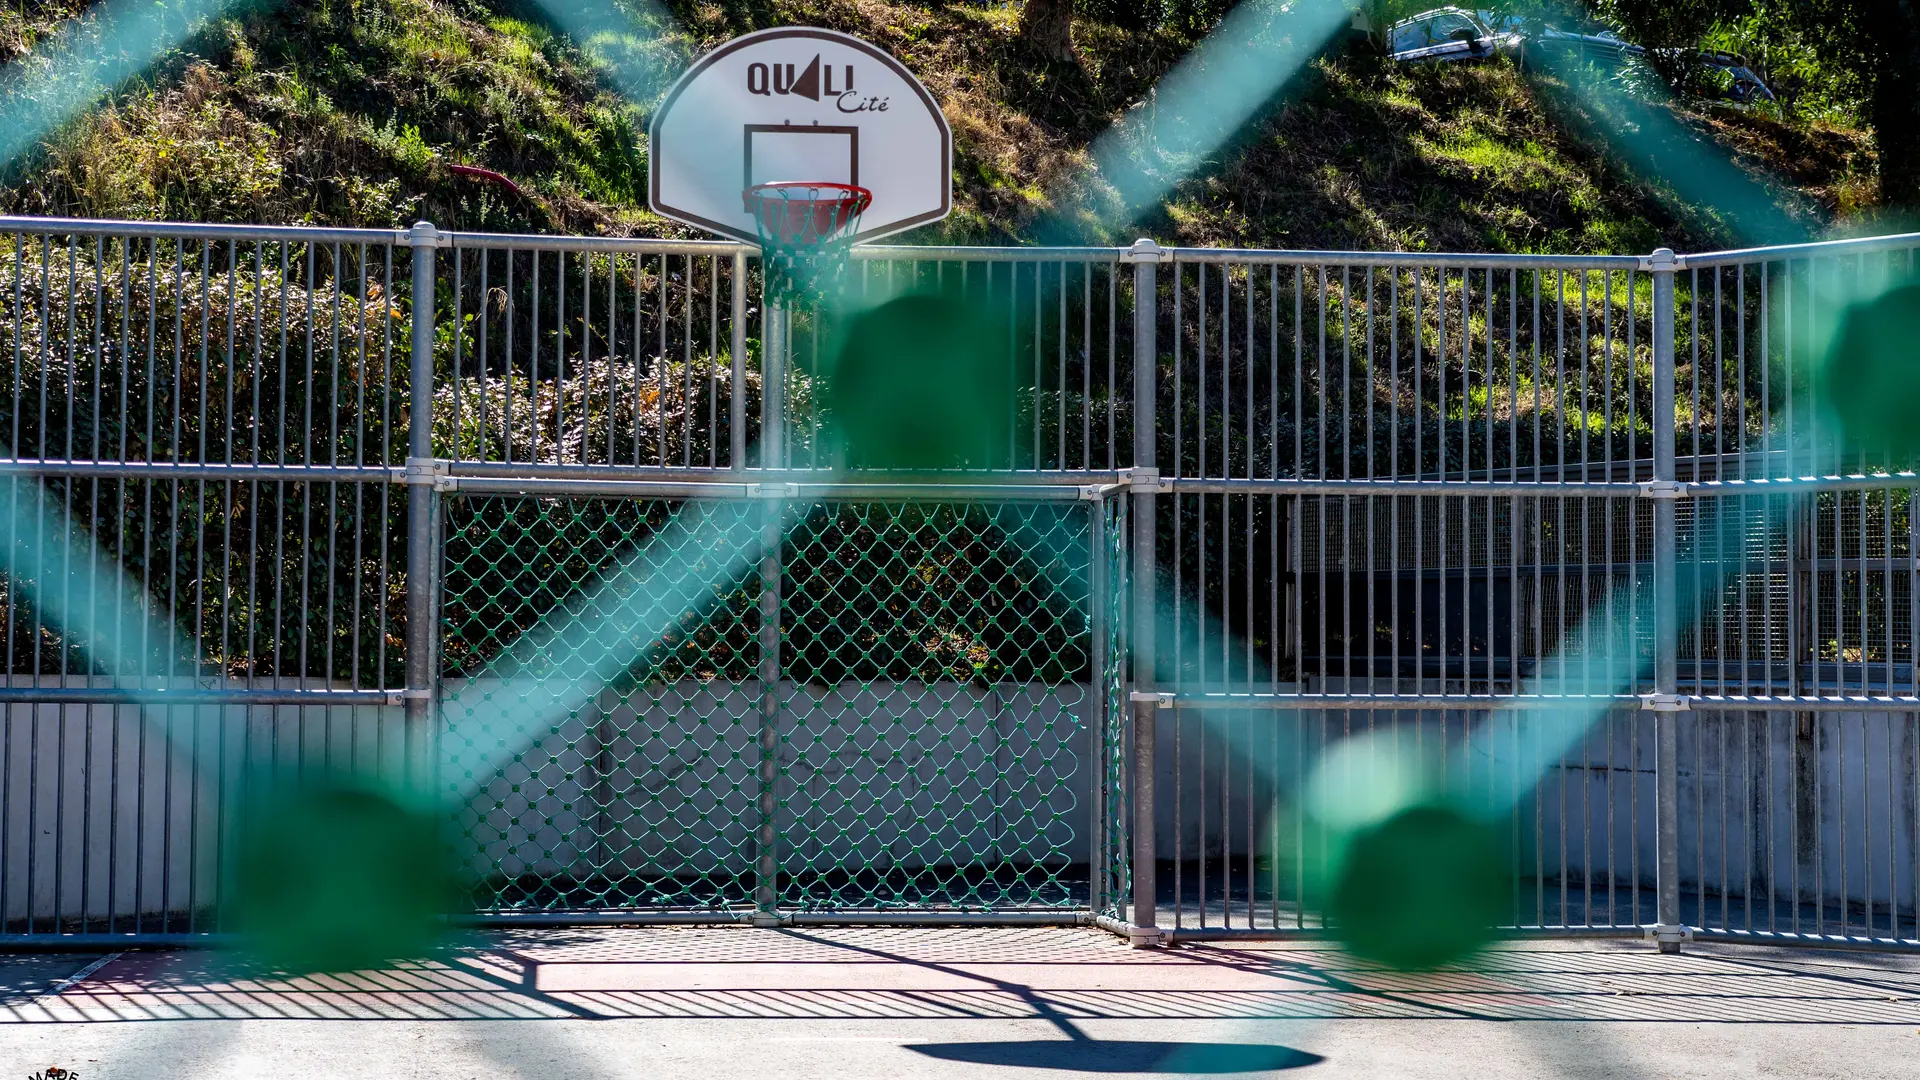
806,230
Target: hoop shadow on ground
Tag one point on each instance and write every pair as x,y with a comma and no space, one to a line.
1117,1056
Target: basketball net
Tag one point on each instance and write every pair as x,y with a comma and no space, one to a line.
806,233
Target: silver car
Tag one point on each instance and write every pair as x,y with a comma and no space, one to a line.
1721,76
1728,78
1447,33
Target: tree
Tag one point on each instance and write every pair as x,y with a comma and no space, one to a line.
1876,43
1047,27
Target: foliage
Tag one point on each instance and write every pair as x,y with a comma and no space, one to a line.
1865,51
185,353
1809,87
348,112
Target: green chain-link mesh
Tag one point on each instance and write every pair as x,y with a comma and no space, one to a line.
594,770
929,720
933,654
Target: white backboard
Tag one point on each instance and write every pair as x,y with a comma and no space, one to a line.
799,103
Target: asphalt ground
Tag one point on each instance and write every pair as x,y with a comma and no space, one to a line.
891,1003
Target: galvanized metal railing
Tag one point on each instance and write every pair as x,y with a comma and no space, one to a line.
1262,500
1533,442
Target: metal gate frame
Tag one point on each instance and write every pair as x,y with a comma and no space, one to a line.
1126,891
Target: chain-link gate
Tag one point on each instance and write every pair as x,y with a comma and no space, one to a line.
708,704
597,770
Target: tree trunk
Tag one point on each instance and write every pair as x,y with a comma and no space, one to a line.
1047,28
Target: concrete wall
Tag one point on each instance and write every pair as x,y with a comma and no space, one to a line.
104,811
1819,807
870,775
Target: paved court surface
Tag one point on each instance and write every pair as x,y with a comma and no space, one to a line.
889,1003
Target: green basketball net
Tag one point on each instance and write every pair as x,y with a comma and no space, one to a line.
806,230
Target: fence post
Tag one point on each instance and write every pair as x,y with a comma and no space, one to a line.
1145,256
773,366
1099,707
1669,931
421,476
766,898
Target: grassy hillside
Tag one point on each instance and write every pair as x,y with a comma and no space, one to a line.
350,111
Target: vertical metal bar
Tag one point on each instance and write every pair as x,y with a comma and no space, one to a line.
533,355
506,363
1013,359
1039,359
1113,336
1418,335
1277,631
420,507
457,451
7,849
713,347
560,324
773,367
330,570
686,360
1250,501
306,490
1394,548
482,317
1200,795
766,887
1060,394
633,354
387,425
737,386
1669,932
1146,360
1098,616
1179,802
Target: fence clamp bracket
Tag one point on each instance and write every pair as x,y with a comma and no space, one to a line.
1146,251
1160,701
1660,703
423,234
1144,478
1147,937
1663,259
432,472
415,693
775,490
1663,489
1669,933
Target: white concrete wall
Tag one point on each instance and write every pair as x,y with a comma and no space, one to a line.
874,775
117,809
120,810
1822,806
103,809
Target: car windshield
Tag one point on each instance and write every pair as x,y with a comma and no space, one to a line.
1425,30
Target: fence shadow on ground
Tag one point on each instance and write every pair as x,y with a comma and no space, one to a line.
1061,976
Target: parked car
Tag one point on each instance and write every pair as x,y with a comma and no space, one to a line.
1727,77
1451,33
1447,33
1537,42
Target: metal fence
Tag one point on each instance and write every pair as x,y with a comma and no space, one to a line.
576,546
